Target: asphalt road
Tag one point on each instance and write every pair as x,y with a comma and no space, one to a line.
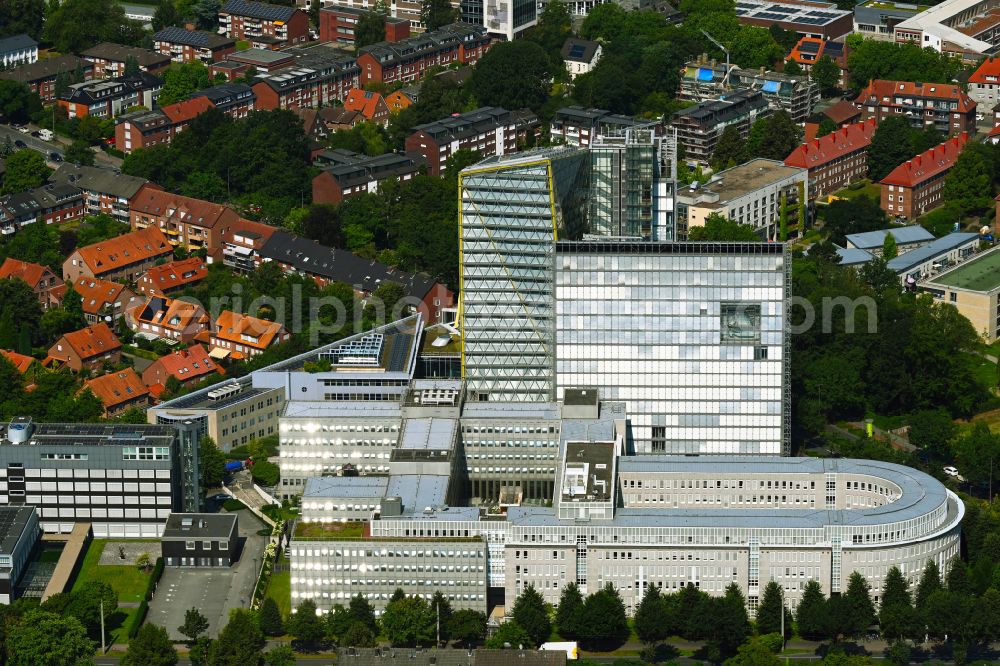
56,145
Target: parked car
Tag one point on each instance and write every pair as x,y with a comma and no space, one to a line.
23,129
951,471
45,134
20,144
36,134
221,497
55,157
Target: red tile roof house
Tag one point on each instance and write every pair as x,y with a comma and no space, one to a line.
188,366
104,300
173,276
984,88
122,259
369,104
914,187
48,287
836,160
242,336
21,362
88,348
189,223
119,391
169,319
941,105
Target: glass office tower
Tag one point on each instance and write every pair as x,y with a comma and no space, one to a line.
511,210
632,184
691,336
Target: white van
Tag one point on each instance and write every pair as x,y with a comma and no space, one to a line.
45,134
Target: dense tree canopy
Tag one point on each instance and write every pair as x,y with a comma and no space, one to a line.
514,75
76,25
17,102
26,169
531,613
720,228
876,59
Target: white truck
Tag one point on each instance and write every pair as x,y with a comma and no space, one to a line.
569,647
45,134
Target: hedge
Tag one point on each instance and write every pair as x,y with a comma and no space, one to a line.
154,578
135,622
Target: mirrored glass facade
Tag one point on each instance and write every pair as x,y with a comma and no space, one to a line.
691,336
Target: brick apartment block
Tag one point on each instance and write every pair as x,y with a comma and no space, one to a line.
914,187
184,45
941,105
109,59
40,76
275,25
409,59
836,160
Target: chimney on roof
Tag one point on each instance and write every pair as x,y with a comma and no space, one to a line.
189,26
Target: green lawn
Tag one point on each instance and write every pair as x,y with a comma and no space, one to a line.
279,588
870,189
128,582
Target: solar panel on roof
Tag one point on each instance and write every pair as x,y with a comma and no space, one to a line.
809,47
577,51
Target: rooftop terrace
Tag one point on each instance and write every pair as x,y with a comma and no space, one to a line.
980,274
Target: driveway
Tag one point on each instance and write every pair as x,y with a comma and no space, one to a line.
214,591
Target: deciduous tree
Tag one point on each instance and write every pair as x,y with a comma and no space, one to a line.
25,170
150,647
306,626
41,637
720,228
408,621
511,635
603,622
240,642
370,28
194,625
467,626
826,74
513,75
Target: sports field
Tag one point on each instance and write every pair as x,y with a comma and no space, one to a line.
980,274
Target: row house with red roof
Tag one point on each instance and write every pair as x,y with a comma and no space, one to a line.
314,81
836,160
119,391
190,223
914,187
808,51
48,287
120,259
241,336
52,203
168,318
943,106
89,348
184,44
188,366
369,104
172,276
104,300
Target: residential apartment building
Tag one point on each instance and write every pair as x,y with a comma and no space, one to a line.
973,287
40,76
50,204
259,22
942,106
104,300
811,19
835,160
320,76
327,265
487,131
172,276
765,194
242,336
236,100
984,89
18,50
576,126
107,98
188,366
700,126
633,182
704,80
119,391
122,479
183,45
105,191
914,187
109,59
123,258
89,348
48,287
337,23
347,174
241,245
409,59
143,129
171,319
190,223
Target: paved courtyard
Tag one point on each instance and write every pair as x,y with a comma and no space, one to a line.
214,591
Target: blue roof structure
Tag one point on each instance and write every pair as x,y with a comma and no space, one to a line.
17,43
853,256
943,245
873,239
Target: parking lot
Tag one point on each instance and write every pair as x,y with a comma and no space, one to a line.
213,591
